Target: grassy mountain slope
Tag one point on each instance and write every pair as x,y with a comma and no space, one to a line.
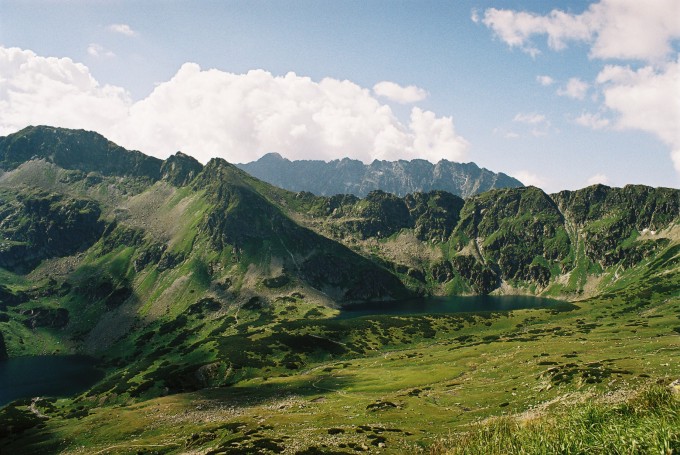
506,241
208,296
198,236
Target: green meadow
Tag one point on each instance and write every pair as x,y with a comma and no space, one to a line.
528,381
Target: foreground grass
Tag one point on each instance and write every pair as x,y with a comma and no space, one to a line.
643,423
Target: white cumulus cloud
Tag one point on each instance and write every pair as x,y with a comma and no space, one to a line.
575,88
517,28
646,99
624,29
212,113
434,137
55,91
123,29
397,93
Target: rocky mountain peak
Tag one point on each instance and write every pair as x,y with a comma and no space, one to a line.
180,169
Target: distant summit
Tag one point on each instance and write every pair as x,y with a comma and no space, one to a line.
88,151
81,150
401,177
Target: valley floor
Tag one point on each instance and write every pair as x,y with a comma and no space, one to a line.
402,398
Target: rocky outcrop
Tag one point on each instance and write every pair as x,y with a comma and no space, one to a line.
9,298
55,318
523,235
432,215
35,225
180,169
482,279
518,232
380,214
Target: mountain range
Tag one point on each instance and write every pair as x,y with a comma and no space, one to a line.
401,177
184,277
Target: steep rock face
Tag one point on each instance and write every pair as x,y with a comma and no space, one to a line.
75,149
380,214
527,238
435,214
517,234
431,215
397,177
35,225
481,278
605,217
638,205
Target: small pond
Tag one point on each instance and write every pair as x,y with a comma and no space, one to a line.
452,304
26,377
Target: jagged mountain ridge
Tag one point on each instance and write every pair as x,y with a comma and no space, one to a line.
520,236
347,176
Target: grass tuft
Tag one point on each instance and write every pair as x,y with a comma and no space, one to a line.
646,422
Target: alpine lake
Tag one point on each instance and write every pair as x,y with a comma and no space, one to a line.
46,375
66,375
449,305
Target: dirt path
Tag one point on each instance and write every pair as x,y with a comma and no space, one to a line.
328,339
35,410
129,446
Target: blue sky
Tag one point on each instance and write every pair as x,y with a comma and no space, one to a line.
545,91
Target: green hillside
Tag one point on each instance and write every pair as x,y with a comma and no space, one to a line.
209,299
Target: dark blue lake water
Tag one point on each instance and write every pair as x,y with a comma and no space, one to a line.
26,377
453,304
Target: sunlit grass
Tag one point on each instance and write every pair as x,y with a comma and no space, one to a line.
645,422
